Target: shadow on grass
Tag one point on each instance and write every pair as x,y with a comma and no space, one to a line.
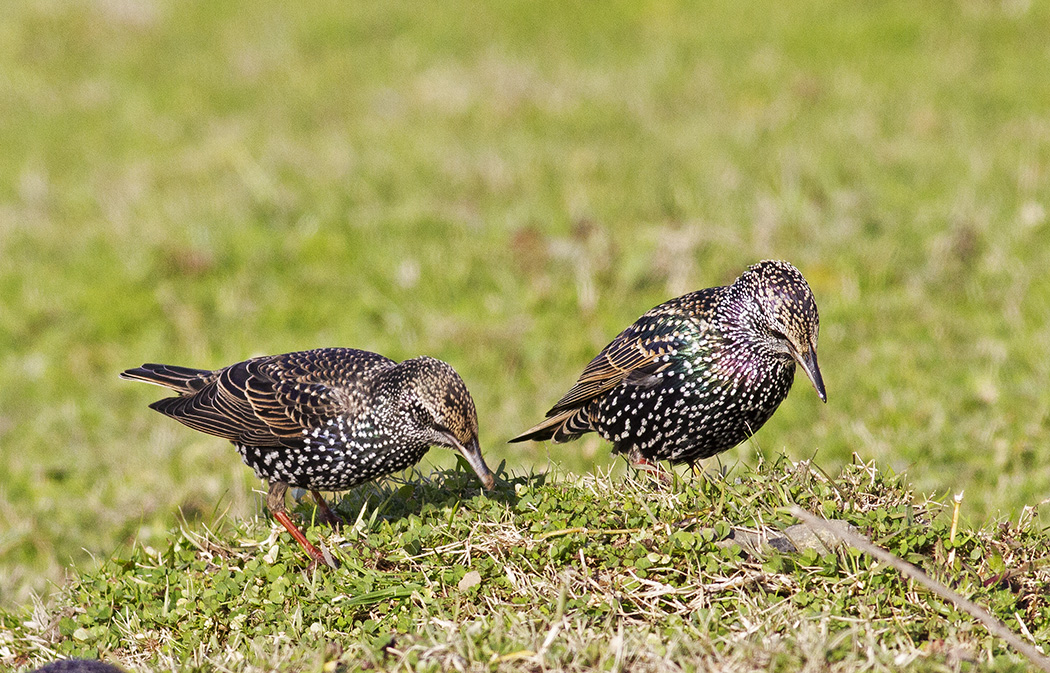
414,493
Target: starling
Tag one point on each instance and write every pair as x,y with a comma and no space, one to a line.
324,419
696,375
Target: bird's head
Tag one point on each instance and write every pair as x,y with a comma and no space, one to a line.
440,410
779,314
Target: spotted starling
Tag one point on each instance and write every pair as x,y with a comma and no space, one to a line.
696,375
325,419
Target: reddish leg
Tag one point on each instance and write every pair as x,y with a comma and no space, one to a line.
299,537
275,503
639,462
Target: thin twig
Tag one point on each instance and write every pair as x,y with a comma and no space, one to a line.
588,531
994,626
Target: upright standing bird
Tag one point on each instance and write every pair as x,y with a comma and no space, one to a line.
324,419
696,375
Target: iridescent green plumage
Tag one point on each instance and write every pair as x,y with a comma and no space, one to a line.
698,374
324,419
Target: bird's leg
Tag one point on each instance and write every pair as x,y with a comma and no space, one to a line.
327,515
640,462
275,503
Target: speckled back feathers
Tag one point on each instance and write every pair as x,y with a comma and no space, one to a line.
695,375
327,418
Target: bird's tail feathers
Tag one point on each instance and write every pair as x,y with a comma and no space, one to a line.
564,426
180,379
200,415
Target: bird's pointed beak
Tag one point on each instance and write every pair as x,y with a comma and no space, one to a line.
472,452
808,362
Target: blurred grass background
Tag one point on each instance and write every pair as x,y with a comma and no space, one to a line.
505,186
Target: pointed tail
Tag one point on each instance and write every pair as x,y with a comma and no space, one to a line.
183,380
562,427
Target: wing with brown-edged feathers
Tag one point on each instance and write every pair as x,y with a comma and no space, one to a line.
634,357
267,401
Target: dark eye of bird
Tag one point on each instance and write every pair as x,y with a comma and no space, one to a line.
778,334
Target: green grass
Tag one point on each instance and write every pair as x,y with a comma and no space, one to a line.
553,574
505,186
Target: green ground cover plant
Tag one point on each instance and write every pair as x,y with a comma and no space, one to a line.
547,573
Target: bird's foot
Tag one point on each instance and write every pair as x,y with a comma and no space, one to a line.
326,559
653,469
